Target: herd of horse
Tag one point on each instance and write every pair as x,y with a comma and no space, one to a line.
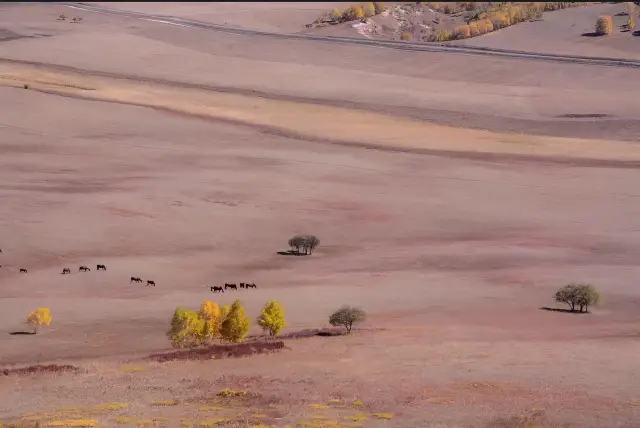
215,288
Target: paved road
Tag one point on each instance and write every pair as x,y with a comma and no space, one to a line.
463,50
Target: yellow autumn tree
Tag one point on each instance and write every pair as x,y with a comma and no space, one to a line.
224,312
271,318
368,9
210,315
336,14
186,329
236,325
39,318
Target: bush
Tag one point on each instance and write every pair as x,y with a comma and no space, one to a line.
578,295
336,14
271,318
442,36
236,325
462,32
604,24
379,7
368,9
346,316
38,318
406,36
186,329
630,24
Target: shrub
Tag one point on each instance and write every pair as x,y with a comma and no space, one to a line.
210,315
515,14
604,24
271,318
186,329
336,14
630,24
442,36
368,9
578,295
462,32
406,36
236,325
500,20
474,29
346,316
379,7
38,318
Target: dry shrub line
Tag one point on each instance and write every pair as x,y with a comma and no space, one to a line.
37,369
220,351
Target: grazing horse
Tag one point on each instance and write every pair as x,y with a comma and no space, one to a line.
216,289
252,285
235,287
83,269
149,282
66,270
23,271
135,279
242,285
101,267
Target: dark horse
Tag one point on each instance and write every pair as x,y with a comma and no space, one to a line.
216,288
149,282
101,267
135,279
66,270
235,287
23,271
84,269
252,285
242,285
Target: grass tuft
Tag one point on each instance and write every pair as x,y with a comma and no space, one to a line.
131,369
319,406
164,403
383,415
226,392
73,423
213,422
209,408
355,418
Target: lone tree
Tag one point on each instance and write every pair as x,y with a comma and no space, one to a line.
604,25
186,329
579,296
271,318
347,316
210,315
307,243
38,318
236,325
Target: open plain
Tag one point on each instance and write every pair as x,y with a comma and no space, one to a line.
452,194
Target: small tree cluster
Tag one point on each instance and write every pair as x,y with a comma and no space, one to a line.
40,317
307,243
353,12
604,25
579,296
346,317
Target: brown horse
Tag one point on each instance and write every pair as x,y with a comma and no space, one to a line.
84,269
66,270
149,282
233,286
216,289
23,271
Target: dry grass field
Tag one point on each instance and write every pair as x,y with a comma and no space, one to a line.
452,196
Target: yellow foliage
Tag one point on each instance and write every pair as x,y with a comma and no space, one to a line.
186,329
500,19
208,408
73,423
164,403
131,369
124,420
604,25
462,32
216,421
38,318
226,392
108,407
474,29
383,415
319,406
355,418
336,14
210,315
358,12
236,326
406,36
310,424
224,311
357,403
368,9
334,401
442,36
271,318
630,24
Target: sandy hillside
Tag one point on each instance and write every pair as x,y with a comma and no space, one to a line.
452,196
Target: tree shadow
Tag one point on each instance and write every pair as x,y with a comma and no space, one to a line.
291,253
21,333
636,33
567,311
591,34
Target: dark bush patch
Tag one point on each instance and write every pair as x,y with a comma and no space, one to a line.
37,369
220,351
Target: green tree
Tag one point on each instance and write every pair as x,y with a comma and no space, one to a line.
347,316
579,296
186,329
236,325
271,318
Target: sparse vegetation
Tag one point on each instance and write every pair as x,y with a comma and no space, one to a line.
40,317
351,13
631,25
462,32
271,318
346,317
406,36
236,325
579,296
604,25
